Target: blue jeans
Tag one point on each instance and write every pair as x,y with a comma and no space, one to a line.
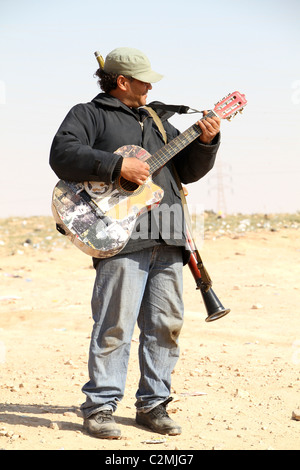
143,287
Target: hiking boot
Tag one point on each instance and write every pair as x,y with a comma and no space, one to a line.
158,420
102,425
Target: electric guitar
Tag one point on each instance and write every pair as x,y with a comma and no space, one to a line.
99,218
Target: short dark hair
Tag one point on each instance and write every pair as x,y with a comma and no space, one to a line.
107,81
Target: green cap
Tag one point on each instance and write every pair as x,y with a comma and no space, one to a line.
132,63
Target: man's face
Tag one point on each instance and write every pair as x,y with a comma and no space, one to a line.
137,93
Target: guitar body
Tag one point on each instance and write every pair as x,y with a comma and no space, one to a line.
99,218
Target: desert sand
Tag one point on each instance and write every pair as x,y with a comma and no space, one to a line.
236,385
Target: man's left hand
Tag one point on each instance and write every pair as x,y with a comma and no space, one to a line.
210,128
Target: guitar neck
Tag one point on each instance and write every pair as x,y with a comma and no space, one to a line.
168,151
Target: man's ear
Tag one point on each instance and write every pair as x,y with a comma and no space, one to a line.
122,83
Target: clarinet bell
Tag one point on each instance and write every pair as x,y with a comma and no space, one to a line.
214,308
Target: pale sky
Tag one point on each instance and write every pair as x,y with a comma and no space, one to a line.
204,51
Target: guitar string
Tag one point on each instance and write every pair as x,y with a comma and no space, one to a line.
163,155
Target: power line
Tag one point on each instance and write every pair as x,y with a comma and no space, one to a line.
221,185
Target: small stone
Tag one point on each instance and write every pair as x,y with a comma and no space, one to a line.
241,393
69,363
70,414
54,426
256,306
296,415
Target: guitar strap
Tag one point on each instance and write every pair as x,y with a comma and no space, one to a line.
205,278
165,111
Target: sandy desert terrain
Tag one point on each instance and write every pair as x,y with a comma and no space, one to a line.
237,383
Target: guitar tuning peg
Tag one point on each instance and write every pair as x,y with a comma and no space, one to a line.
229,118
241,110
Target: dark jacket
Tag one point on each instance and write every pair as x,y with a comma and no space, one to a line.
84,145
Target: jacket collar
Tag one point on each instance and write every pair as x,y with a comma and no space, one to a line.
106,100
142,115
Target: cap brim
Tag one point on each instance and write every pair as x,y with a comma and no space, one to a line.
148,77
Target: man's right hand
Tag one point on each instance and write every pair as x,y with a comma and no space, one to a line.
135,170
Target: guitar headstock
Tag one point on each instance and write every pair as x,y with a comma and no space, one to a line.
229,106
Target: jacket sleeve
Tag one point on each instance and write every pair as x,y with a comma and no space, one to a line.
196,160
72,156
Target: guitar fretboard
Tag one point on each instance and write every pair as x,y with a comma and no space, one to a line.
168,151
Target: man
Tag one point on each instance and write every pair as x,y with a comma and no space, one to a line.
143,283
